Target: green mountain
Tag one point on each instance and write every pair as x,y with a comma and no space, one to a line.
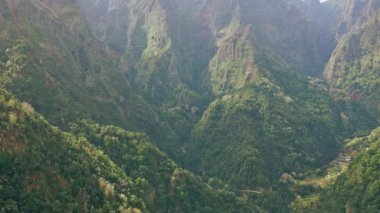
186,105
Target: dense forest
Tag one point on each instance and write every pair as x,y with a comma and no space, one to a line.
189,106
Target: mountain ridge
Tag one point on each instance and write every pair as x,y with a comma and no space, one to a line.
245,95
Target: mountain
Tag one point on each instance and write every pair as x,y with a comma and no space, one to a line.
190,105
199,34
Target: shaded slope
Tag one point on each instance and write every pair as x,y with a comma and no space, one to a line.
149,37
50,59
167,44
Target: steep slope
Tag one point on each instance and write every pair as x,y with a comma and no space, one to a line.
221,82
353,14
148,35
353,70
163,50
278,123
283,27
167,44
50,59
357,189
45,169
254,45
183,53
166,187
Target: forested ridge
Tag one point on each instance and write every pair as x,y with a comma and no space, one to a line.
189,106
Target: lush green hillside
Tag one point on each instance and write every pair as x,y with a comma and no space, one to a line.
101,168
253,135
280,123
43,169
166,187
356,190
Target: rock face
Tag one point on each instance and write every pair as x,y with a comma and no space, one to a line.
353,69
354,14
218,39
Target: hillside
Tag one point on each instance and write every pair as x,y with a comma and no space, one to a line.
44,169
357,189
262,126
101,168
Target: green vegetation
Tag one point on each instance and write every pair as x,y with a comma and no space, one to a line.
356,190
166,187
100,169
43,169
227,90
250,137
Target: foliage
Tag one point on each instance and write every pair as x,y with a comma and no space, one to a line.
156,67
356,190
43,169
253,135
165,187
102,168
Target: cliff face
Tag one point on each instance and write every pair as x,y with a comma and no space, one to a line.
354,14
353,69
156,36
